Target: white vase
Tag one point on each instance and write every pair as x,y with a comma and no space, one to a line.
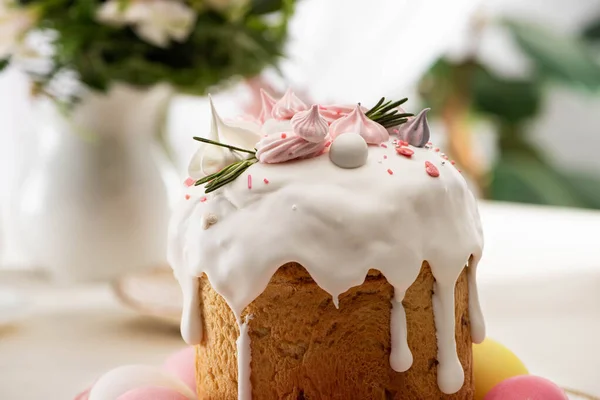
96,200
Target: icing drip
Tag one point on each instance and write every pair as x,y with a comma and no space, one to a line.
310,126
416,130
450,374
287,106
243,359
281,148
475,314
268,103
363,222
401,358
358,122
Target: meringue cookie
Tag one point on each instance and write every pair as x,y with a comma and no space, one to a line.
349,150
288,106
333,112
358,122
276,149
209,158
267,106
416,130
310,125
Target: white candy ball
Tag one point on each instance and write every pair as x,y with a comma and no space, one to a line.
349,150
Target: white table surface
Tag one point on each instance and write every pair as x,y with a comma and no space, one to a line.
539,285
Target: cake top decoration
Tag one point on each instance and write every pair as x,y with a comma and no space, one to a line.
286,130
358,122
288,106
267,104
416,131
310,125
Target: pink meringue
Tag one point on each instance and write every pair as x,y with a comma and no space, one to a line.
288,106
416,130
310,125
267,106
276,149
358,122
333,112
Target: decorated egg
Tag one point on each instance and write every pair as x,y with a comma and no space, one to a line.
349,150
526,387
492,364
154,393
183,365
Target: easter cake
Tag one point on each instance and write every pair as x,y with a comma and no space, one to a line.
327,252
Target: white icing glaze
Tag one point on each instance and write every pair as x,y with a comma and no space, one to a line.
244,355
388,215
475,314
401,358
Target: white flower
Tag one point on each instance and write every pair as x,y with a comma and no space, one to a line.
156,21
14,23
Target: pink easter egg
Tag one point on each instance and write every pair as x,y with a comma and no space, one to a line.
526,387
183,365
154,393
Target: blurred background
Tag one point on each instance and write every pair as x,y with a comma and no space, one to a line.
99,101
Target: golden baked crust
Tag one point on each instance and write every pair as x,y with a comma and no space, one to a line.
305,348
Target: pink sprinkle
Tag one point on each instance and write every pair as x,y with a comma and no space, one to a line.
390,172
445,157
429,143
249,181
327,144
452,162
385,157
266,181
187,196
383,145
202,199
189,182
402,143
431,169
436,150
283,135
405,151
396,130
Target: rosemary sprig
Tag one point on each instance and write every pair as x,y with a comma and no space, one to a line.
230,172
386,113
203,140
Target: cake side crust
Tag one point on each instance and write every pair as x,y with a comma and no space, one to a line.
305,348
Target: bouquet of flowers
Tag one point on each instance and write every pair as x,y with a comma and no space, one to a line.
189,44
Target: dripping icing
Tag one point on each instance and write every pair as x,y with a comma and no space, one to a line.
244,357
443,209
401,357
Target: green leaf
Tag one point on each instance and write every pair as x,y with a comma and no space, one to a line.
592,30
586,186
566,59
519,178
510,100
265,6
4,63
